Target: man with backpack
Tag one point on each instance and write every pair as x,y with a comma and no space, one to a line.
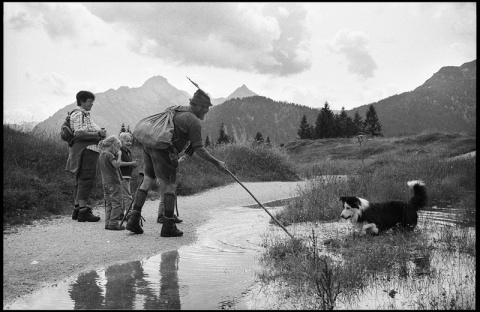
162,163
83,155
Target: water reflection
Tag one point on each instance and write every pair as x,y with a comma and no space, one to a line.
129,286
169,298
85,293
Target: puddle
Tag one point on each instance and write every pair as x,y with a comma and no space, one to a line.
445,216
214,273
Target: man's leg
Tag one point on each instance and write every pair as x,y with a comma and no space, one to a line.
76,208
134,216
169,229
133,223
165,187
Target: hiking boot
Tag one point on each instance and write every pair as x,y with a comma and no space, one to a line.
134,219
161,218
169,229
75,213
86,215
115,227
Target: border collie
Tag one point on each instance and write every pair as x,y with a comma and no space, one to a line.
379,217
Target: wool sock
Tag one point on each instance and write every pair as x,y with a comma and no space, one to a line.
169,200
140,197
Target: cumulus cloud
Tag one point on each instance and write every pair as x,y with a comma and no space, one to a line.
353,45
71,21
263,38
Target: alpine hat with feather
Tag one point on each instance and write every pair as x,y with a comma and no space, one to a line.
200,97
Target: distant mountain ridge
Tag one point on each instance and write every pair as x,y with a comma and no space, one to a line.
244,117
446,102
127,106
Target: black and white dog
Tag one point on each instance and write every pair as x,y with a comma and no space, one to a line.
379,217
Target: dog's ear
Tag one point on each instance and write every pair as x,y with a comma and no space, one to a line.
342,198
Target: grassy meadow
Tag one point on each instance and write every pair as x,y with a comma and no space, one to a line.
432,267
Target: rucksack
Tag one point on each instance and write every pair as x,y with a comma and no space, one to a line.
66,133
156,131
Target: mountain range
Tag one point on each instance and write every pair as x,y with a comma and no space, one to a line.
445,103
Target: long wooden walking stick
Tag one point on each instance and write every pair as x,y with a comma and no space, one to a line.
260,204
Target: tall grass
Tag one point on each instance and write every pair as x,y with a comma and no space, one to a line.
36,184
383,177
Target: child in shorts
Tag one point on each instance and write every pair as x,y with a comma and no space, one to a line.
109,162
126,168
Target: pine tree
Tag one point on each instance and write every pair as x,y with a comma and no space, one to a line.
304,131
222,136
325,123
357,123
267,141
258,138
342,124
207,141
372,124
351,128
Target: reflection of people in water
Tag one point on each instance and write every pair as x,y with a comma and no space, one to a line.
169,289
125,282
120,288
85,292
169,298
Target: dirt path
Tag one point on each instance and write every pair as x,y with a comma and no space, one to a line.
51,250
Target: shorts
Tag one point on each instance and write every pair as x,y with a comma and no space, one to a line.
160,163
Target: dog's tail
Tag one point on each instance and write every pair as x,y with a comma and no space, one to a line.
419,199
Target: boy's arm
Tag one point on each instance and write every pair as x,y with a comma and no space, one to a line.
127,163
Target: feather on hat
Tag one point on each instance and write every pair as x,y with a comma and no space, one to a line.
200,97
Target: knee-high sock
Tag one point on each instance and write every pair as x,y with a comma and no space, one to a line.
140,197
169,201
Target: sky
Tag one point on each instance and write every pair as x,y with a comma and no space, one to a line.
346,54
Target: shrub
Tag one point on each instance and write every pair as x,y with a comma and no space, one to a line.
247,163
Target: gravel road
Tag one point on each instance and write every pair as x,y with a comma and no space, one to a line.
49,251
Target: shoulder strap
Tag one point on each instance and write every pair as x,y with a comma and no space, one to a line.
83,113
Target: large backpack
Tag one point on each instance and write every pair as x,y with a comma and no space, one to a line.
66,133
156,131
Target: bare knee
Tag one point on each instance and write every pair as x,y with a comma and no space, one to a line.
147,183
170,188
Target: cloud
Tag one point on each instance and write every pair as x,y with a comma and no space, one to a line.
61,21
252,37
353,45
461,16
58,83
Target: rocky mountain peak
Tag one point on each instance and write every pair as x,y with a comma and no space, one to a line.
241,92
